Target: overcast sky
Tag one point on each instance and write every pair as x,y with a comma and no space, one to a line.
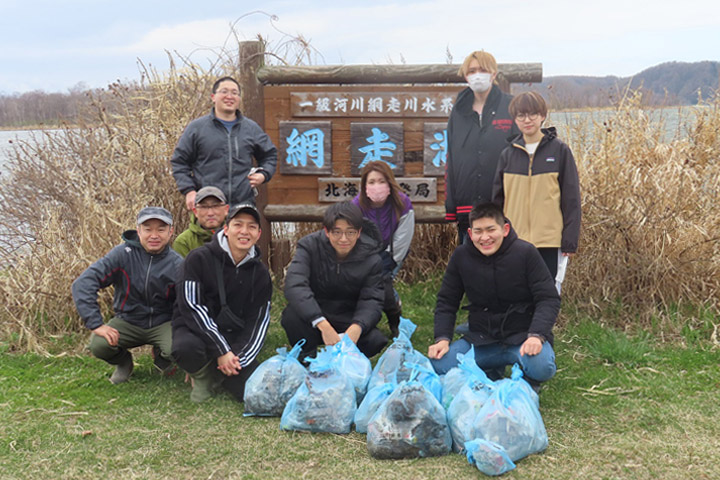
53,45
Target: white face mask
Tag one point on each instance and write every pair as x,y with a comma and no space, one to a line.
480,82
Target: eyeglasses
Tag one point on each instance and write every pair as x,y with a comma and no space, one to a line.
210,207
530,116
226,92
349,234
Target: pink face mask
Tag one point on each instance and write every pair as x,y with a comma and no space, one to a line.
378,192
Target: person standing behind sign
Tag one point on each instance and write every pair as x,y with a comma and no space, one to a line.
383,202
217,149
478,127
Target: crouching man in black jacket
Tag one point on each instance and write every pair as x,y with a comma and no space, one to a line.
334,284
513,301
223,308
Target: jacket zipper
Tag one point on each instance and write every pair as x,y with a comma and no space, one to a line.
147,298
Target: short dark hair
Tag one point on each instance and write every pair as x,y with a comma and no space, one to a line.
347,211
487,210
528,103
224,79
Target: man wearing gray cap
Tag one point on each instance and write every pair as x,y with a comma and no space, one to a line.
209,212
223,308
142,271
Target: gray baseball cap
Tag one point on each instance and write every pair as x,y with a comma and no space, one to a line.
159,213
243,208
209,191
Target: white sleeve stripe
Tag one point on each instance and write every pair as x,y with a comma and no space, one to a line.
202,318
257,338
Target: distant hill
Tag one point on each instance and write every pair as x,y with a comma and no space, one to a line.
671,83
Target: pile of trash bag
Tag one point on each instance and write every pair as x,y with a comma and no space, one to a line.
353,363
325,401
274,382
409,423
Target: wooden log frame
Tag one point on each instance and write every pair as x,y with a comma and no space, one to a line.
314,213
397,74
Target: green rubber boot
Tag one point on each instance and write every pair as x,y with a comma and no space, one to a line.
205,383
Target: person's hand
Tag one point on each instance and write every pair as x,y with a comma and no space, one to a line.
190,199
438,350
329,334
354,331
256,179
108,333
229,364
531,346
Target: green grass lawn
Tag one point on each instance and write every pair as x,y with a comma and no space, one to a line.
620,407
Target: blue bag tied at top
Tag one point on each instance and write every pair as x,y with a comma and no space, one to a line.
489,457
353,363
274,382
325,401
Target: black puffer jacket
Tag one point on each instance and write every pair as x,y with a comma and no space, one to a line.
345,292
248,290
144,284
510,292
474,149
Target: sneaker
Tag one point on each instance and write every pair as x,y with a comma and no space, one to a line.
162,364
122,370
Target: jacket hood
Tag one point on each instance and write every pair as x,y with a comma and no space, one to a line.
221,253
130,237
507,241
369,242
548,134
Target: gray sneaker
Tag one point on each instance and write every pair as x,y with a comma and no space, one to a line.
122,370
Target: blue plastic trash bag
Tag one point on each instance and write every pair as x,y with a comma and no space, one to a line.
274,382
353,363
370,404
425,375
490,458
324,402
400,351
517,374
464,409
512,419
410,423
453,380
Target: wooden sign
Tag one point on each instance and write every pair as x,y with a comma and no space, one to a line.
305,148
377,141
372,104
434,149
420,190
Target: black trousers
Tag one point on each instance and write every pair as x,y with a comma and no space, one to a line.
550,257
191,354
370,343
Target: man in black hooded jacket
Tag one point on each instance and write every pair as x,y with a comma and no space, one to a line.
513,303
334,284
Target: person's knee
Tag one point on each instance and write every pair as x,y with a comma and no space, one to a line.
541,370
372,343
189,352
101,349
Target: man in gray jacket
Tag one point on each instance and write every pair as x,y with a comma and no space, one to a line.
142,270
218,149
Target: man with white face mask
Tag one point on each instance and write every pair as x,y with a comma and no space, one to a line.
478,129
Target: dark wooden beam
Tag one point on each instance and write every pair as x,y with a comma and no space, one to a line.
314,213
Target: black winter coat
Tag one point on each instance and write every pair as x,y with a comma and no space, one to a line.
474,150
344,292
511,294
248,290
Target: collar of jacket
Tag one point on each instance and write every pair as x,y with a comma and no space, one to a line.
238,115
549,134
222,242
201,231
507,241
466,97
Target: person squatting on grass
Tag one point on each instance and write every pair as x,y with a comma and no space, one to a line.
334,284
382,201
209,212
218,149
142,271
477,132
538,187
222,311
512,307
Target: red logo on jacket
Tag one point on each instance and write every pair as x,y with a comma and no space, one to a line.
503,124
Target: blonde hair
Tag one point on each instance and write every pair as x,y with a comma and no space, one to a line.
487,62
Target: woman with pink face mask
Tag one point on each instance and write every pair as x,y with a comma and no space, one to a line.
384,203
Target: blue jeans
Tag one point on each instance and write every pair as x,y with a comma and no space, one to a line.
540,367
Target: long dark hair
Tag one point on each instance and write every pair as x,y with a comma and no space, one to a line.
384,169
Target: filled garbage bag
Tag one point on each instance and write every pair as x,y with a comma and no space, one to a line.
464,409
489,457
324,402
370,404
517,374
353,363
274,382
454,379
399,352
409,423
512,419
